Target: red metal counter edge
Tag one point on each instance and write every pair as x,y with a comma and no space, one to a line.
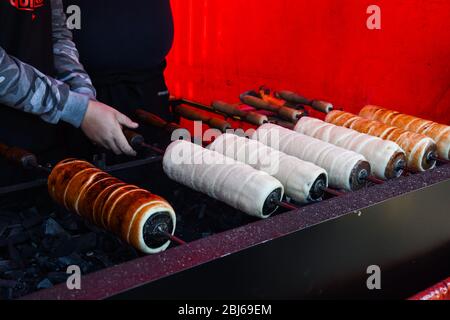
119,279
440,291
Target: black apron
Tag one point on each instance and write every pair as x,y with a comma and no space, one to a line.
26,33
126,57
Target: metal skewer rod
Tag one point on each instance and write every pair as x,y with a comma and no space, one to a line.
375,180
171,237
152,148
433,157
334,192
285,205
44,169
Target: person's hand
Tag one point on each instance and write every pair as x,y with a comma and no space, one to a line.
103,126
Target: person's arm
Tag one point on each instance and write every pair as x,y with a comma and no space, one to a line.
24,88
66,58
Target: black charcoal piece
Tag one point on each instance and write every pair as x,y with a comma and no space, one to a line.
69,223
73,260
86,242
44,284
47,243
93,228
32,272
47,264
52,228
108,243
32,221
100,258
62,247
27,251
27,213
18,238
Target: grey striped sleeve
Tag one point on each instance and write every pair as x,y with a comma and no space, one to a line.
24,88
65,98
67,64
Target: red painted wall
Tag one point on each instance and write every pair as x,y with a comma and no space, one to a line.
319,48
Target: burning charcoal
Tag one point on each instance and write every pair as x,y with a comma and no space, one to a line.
44,284
52,228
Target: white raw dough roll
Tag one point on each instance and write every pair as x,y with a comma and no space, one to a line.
338,162
297,176
377,151
220,177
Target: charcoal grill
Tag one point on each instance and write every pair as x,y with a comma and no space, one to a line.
318,251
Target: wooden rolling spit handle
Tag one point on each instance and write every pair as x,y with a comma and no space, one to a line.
321,106
18,156
155,121
259,103
251,117
284,112
191,114
135,139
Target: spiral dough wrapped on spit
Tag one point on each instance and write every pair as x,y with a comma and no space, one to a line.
236,184
135,215
303,181
419,148
438,132
346,169
386,158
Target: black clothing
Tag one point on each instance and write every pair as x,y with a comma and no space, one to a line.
123,36
26,33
